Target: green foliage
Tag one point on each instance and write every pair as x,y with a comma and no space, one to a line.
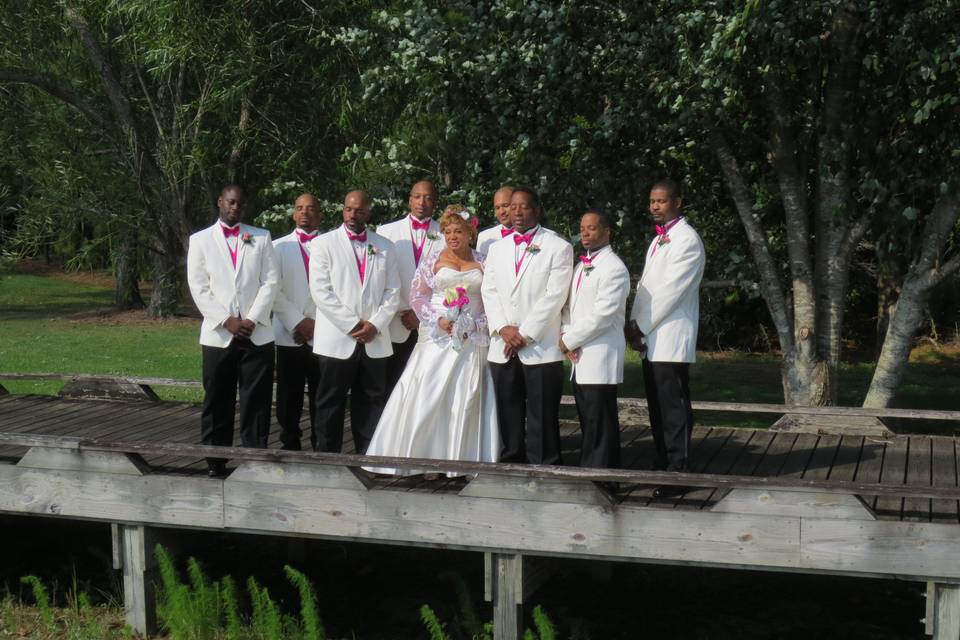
436,628
543,624
312,626
231,609
42,600
266,623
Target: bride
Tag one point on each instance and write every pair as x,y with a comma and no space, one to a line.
443,405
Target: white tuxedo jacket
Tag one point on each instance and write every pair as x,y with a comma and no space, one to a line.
593,318
487,237
342,301
398,232
667,304
293,302
221,291
531,299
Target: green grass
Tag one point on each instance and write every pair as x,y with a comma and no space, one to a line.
42,332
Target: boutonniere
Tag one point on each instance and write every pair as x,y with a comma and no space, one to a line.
247,238
663,240
533,248
371,250
432,235
587,268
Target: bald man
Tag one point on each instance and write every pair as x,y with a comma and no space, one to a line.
293,323
355,283
501,209
415,236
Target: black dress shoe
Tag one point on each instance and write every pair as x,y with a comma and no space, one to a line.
669,491
216,469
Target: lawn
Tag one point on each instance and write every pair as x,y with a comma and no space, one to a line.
58,323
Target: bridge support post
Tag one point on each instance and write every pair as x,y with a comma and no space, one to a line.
505,588
945,609
133,551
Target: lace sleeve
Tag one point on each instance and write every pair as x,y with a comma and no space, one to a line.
421,291
481,336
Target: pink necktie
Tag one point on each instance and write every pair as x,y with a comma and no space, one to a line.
228,232
304,239
361,263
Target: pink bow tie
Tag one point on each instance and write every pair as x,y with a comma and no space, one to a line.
227,232
585,259
419,226
663,229
505,232
357,237
519,239
306,237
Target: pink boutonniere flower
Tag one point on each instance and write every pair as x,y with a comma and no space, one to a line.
371,250
663,240
533,248
587,268
246,238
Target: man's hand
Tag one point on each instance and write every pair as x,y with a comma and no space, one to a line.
410,320
364,332
634,336
303,332
573,355
446,325
511,335
238,327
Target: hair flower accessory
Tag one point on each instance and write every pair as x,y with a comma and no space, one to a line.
469,217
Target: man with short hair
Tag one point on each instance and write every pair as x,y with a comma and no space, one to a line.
525,283
592,339
293,323
415,236
501,209
664,323
355,284
233,278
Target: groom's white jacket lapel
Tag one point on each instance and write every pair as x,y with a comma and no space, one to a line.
293,302
531,299
593,318
398,232
667,304
221,290
343,301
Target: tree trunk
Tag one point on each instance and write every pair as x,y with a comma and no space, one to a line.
127,273
165,297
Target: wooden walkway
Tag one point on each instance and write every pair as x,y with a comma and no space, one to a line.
907,460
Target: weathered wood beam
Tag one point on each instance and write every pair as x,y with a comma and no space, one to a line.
138,566
946,611
623,476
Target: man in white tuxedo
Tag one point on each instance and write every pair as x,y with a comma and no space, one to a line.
355,283
501,209
664,320
293,323
592,338
525,283
233,278
414,235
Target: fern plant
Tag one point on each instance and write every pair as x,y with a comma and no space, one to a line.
312,626
43,602
436,628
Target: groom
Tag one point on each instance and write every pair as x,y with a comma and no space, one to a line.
354,282
525,284
414,235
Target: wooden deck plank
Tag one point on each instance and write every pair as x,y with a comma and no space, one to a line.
36,412
736,447
799,457
919,474
748,462
894,471
641,495
776,454
844,465
15,405
821,462
944,474
703,457
870,464
74,416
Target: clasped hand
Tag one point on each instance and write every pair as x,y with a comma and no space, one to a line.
364,332
240,327
514,341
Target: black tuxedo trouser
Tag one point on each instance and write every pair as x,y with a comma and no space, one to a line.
399,359
295,366
599,423
365,379
667,386
528,410
250,367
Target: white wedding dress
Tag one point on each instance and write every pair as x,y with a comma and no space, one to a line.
443,405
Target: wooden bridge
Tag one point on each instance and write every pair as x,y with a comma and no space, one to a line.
845,502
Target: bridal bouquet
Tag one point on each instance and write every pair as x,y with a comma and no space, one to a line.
454,301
